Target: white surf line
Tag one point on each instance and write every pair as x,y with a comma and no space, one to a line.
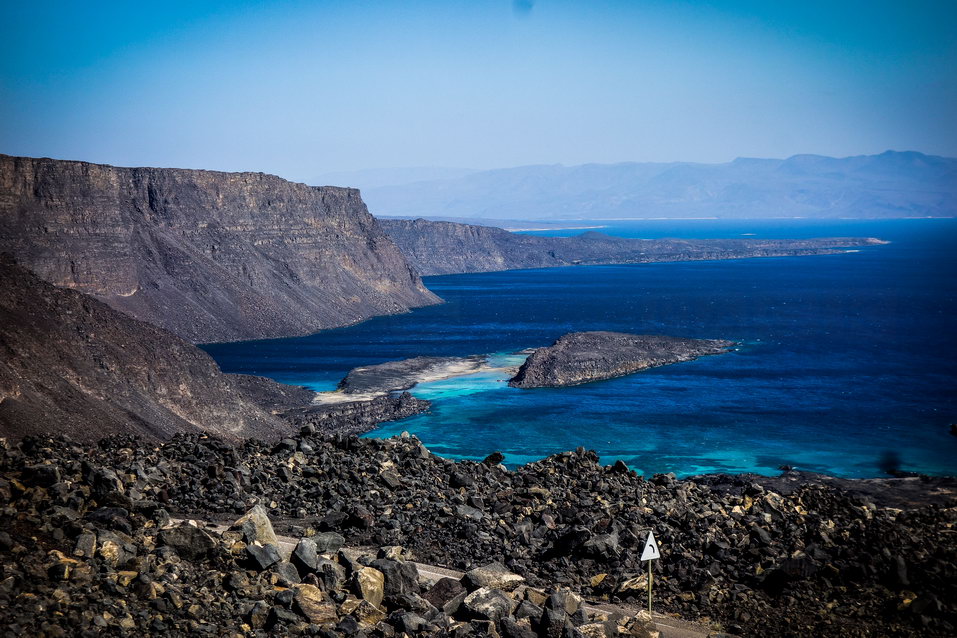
444,372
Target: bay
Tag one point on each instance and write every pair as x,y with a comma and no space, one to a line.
846,365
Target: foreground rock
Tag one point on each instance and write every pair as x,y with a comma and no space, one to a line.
795,555
70,571
580,357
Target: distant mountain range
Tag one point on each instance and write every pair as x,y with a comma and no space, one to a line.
892,184
379,177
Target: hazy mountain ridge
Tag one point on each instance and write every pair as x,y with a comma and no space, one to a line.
210,256
378,177
892,184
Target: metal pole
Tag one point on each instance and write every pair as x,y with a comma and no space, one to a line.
649,586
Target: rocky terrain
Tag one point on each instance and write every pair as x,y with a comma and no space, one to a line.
444,248
115,564
87,546
356,417
73,365
209,256
580,357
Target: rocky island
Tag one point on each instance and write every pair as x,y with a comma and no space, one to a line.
580,357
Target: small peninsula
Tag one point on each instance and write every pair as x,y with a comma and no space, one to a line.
445,248
393,376
581,357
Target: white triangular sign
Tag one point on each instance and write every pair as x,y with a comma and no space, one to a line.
651,548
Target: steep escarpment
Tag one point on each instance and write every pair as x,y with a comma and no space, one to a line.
73,365
580,357
210,256
443,248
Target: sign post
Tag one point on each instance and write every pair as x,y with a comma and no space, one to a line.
650,554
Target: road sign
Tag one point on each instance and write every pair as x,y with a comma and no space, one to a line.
651,548
650,554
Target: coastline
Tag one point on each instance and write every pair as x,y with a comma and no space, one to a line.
452,368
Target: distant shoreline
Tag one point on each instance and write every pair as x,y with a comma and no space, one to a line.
516,229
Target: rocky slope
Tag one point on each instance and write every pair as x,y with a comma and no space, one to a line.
580,357
209,256
789,556
443,248
72,364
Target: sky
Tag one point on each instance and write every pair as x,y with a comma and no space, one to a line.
304,88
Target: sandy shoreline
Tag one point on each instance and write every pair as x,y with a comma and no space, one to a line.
439,371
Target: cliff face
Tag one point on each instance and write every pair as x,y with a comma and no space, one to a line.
72,365
443,248
210,256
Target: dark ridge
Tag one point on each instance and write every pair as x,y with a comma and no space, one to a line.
443,248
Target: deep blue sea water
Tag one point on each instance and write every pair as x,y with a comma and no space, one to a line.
846,361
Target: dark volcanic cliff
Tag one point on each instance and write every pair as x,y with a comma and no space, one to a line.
72,365
443,248
210,256
580,357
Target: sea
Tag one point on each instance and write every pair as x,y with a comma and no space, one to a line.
846,363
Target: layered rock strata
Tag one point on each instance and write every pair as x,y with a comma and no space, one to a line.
209,256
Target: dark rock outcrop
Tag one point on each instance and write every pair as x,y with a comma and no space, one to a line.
580,357
356,417
73,365
817,558
84,578
443,248
209,256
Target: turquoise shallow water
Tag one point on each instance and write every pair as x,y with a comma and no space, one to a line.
846,365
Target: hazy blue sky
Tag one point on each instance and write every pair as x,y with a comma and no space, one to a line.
302,88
